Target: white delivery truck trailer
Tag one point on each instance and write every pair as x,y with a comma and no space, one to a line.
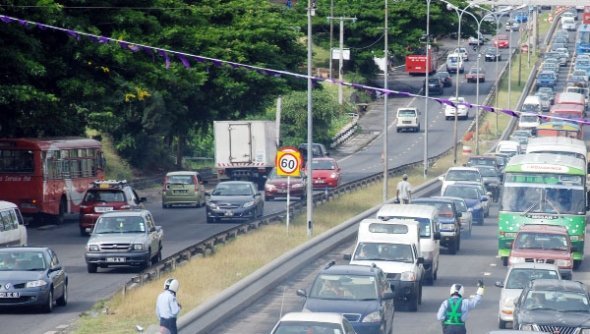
245,150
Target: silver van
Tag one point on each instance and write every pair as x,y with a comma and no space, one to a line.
427,216
12,226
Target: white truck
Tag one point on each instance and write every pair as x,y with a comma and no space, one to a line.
245,149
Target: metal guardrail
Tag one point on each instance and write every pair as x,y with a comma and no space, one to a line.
347,131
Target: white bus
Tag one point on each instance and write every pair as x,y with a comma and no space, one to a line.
559,145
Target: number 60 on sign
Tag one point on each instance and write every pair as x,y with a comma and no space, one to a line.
288,162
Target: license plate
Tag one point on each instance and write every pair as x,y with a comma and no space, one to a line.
103,208
229,213
116,259
282,191
9,295
319,181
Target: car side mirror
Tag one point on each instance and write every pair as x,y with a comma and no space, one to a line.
441,178
484,198
347,257
207,194
142,199
499,284
56,268
301,293
420,260
436,235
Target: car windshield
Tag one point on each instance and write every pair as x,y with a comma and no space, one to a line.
528,119
383,252
22,261
544,241
104,196
181,179
462,191
561,301
322,165
543,198
130,224
462,175
232,190
445,209
315,327
344,287
273,175
519,277
546,75
425,229
488,172
482,162
460,205
406,112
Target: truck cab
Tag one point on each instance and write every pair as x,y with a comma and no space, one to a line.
394,246
408,119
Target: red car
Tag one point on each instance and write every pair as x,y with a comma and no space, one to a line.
276,186
325,173
501,42
105,196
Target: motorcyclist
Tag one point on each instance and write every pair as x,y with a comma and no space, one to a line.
453,311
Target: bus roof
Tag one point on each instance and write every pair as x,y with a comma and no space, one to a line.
567,108
564,144
559,125
48,143
570,98
546,163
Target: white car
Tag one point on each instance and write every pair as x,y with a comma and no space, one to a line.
463,53
316,322
459,174
462,112
517,277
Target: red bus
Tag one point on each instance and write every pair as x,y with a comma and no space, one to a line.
47,178
569,111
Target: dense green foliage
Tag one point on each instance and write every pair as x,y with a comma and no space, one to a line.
56,85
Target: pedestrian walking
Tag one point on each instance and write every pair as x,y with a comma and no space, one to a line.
453,311
167,307
404,190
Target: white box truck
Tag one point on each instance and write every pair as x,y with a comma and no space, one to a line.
244,149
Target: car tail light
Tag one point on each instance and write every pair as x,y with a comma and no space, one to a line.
220,171
125,207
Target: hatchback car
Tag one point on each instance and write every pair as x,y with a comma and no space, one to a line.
483,160
106,196
501,42
360,293
234,200
277,186
493,54
517,277
461,110
32,277
472,196
554,306
546,78
445,77
313,322
183,188
476,75
492,180
463,53
325,173
435,86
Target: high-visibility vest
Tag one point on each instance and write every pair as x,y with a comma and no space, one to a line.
453,313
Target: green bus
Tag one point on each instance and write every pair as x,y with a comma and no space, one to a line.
543,188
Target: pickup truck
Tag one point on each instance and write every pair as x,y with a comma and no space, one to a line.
124,238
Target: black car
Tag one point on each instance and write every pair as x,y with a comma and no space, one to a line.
448,221
492,180
32,277
554,306
493,54
361,293
317,151
435,86
445,77
234,200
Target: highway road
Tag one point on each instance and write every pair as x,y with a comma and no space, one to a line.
187,226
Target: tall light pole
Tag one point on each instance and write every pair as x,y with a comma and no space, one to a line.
308,170
426,88
331,34
509,66
385,101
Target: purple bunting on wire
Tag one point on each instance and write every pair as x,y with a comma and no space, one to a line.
41,26
6,19
23,22
166,58
184,61
73,34
488,108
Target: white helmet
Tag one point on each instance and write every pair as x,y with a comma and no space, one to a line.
456,289
171,284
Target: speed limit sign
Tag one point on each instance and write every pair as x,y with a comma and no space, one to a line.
288,162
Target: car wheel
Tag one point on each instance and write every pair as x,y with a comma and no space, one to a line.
459,242
210,220
63,300
164,206
453,248
420,297
92,268
60,217
505,261
83,232
502,324
48,307
429,279
413,303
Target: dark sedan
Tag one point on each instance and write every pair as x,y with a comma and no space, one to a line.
493,54
445,77
552,305
32,277
278,186
234,200
435,86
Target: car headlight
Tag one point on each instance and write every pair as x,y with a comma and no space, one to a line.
508,302
563,263
248,204
372,317
447,227
408,276
516,259
35,284
137,246
269,187
212,205
575,238
334,175
92,248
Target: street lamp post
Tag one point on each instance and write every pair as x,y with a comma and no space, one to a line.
426,88
385,101
309,123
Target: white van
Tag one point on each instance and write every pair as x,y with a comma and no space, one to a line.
532,104
568,23
509,147
455,63
12,226
427,216
408,119
393,246
528,121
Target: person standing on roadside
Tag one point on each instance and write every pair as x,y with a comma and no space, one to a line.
404,190
167,307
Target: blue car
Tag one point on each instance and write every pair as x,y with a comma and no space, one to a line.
521,17
448,221
473,198
360,293
546,78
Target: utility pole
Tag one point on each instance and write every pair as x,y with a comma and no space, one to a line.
331,34
385,101
341,60
310,13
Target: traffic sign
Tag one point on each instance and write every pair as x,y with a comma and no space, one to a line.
288,162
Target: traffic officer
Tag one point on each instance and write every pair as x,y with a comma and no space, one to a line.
453,311
167,307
